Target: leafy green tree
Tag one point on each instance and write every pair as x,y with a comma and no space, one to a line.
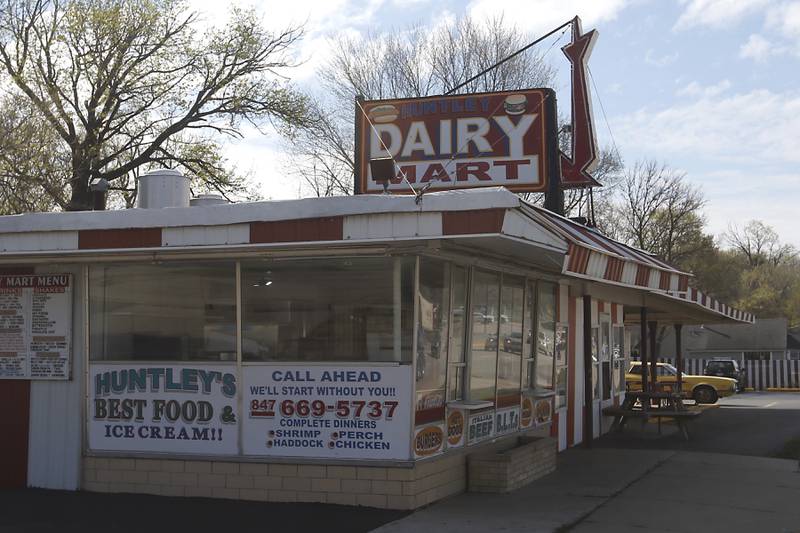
117,86
773,291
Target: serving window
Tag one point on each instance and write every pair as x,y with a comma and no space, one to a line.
163,312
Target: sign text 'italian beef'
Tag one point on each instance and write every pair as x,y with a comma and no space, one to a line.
451,142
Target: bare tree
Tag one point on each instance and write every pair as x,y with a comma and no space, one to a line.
759,244
412,62
660,212
124,83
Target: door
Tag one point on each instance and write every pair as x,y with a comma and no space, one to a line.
604,391
14,418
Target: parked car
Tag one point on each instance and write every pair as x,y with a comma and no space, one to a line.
490,344
702,389
728,368
513,342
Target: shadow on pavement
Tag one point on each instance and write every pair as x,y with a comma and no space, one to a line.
36,510
736,430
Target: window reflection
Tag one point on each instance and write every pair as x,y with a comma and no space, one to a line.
335,309
484,342
164,312
546,335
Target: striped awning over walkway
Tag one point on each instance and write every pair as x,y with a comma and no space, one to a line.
594,256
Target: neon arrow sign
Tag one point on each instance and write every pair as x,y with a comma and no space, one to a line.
576,171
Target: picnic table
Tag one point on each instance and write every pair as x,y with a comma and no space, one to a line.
656,404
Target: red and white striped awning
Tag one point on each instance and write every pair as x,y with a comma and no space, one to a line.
592,255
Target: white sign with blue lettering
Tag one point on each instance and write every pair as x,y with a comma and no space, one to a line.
358,412
187,409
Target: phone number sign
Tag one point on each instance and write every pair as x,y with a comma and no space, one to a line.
327,412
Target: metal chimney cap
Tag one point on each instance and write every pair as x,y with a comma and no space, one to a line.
163,172
203,200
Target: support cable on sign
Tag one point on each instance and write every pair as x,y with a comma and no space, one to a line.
418,194
603,111
508,58
535,110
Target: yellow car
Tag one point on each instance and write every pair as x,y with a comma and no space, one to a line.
702,389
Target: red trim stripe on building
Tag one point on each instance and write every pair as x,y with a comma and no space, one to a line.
614,268
642,275
473,221
300,230
98,239
578,259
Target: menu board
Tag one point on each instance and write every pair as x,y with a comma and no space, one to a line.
35,326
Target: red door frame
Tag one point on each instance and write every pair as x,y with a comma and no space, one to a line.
15,397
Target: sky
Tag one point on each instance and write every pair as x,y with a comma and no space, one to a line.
709,87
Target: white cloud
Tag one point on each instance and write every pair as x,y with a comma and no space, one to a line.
319,19
651,59
758,129
785,17
695,89
757,47
716,13
736,196
780,18
740,147
540,16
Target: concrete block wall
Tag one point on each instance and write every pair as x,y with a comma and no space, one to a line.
383,487
509,469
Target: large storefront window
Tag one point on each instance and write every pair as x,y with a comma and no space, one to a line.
605,357
618,353
458,329
333,309
434,302
509,362
546,336
163,312
484,342
596,362
562,335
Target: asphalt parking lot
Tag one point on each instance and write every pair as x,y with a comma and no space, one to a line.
751,423
46,511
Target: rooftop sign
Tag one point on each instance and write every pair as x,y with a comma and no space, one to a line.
451,142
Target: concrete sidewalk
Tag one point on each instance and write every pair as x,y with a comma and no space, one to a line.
619,491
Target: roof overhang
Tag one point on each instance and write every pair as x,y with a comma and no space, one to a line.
490,222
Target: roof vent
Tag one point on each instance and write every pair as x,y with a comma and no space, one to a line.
163,188
204,200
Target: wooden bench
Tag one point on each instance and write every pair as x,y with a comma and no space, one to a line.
681,417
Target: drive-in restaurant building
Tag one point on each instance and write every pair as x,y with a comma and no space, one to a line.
346,350
384,350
